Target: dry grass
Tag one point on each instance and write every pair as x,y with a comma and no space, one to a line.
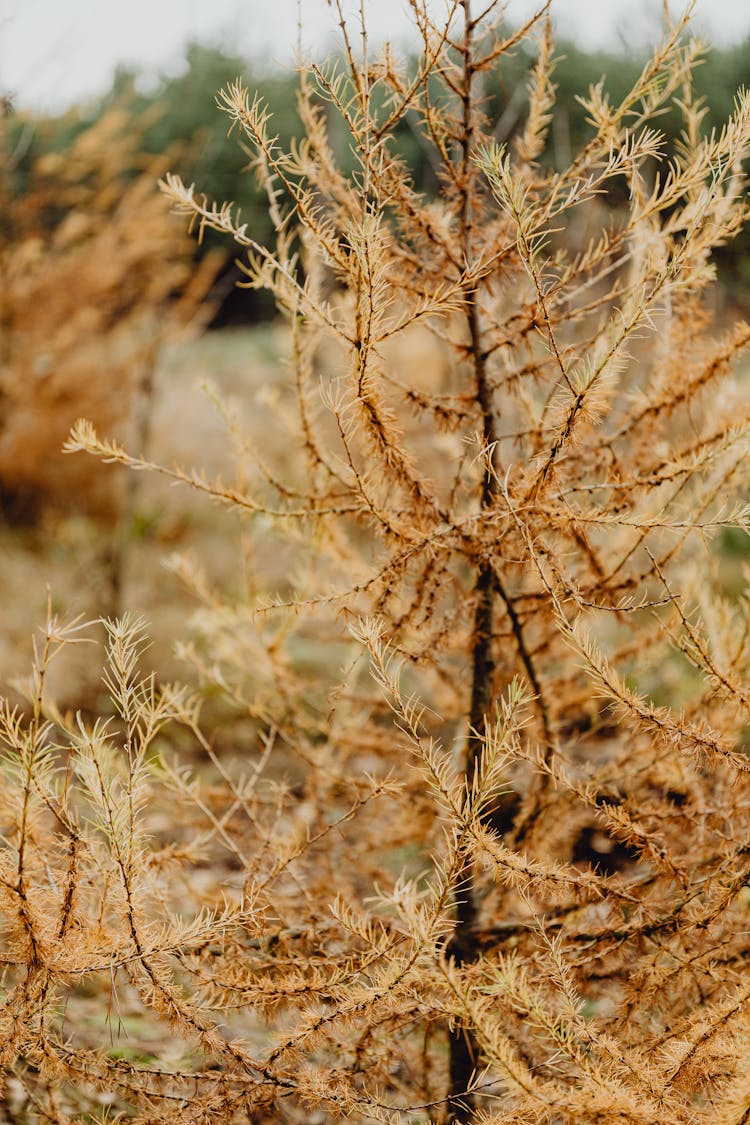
69,554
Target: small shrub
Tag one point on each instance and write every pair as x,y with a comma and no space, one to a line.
94,280
467,869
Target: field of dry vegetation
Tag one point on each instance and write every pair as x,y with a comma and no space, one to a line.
384,751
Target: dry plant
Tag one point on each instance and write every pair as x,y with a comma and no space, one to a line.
94,280
504,879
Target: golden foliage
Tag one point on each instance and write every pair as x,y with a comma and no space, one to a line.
94,280
504,878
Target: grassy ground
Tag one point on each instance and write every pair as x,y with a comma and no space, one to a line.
70,559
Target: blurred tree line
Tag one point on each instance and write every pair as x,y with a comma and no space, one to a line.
178,113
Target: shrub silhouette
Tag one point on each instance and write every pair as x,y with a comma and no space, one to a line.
94,281
383,902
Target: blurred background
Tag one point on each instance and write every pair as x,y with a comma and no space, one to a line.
109,310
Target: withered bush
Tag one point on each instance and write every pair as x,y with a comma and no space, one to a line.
94,280
504,878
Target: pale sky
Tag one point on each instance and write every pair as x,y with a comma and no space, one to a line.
53,52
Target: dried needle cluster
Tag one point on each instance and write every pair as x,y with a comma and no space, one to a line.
504,879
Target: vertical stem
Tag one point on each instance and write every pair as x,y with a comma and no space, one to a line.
463,947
